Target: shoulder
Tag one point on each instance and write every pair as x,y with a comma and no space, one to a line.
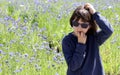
66,38
69,38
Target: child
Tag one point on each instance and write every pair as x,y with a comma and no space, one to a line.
81,47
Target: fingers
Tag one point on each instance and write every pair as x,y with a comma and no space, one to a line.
90,8
82,37
81,34
87,6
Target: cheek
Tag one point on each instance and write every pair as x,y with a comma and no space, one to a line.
75,28
85,30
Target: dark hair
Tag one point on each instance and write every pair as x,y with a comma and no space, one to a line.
82,13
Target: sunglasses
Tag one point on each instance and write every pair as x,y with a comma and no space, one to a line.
83,25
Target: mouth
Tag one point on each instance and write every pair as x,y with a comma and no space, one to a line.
79,32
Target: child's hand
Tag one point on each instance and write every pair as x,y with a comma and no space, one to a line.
81,37
90,8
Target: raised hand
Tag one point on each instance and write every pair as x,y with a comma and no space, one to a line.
81,37
90,8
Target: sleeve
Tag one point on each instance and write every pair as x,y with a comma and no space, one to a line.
74,60
105,28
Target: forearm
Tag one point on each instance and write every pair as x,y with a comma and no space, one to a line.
78,57
103,23
106,29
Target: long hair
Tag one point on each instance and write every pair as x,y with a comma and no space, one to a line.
81,13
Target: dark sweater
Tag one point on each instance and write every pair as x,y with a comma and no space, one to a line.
84,59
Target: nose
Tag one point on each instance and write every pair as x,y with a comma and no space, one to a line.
80,27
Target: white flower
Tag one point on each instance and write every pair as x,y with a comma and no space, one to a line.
21,5
109,7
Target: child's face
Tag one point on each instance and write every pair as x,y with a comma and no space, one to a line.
81,26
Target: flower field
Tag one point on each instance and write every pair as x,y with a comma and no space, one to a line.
31,32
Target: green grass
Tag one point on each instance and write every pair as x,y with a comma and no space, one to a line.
31,35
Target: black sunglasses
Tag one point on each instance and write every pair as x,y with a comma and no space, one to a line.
83,25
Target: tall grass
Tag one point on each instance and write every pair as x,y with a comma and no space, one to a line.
31,32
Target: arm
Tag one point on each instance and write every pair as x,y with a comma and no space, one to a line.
105,28
74,60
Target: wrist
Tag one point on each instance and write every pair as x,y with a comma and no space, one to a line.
81,42
94,11
95,15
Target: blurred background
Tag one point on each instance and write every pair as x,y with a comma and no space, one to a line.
31,32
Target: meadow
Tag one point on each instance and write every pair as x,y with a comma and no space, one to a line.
31,32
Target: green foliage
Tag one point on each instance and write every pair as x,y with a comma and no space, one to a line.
31,34
10,9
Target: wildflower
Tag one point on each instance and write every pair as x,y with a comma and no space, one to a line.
56,73
48,66
6,18
55,58
62,59
34,50
25,20
16,71
38,68
36,65
11,53
55,1
0,70
25,28
1,45
118,47
1,52
18,54
26,55
36,2
21,5
12,41
42,29
49,0
47,52
109,7
24,63
22,42
17,60
32,58
21,68
113,41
